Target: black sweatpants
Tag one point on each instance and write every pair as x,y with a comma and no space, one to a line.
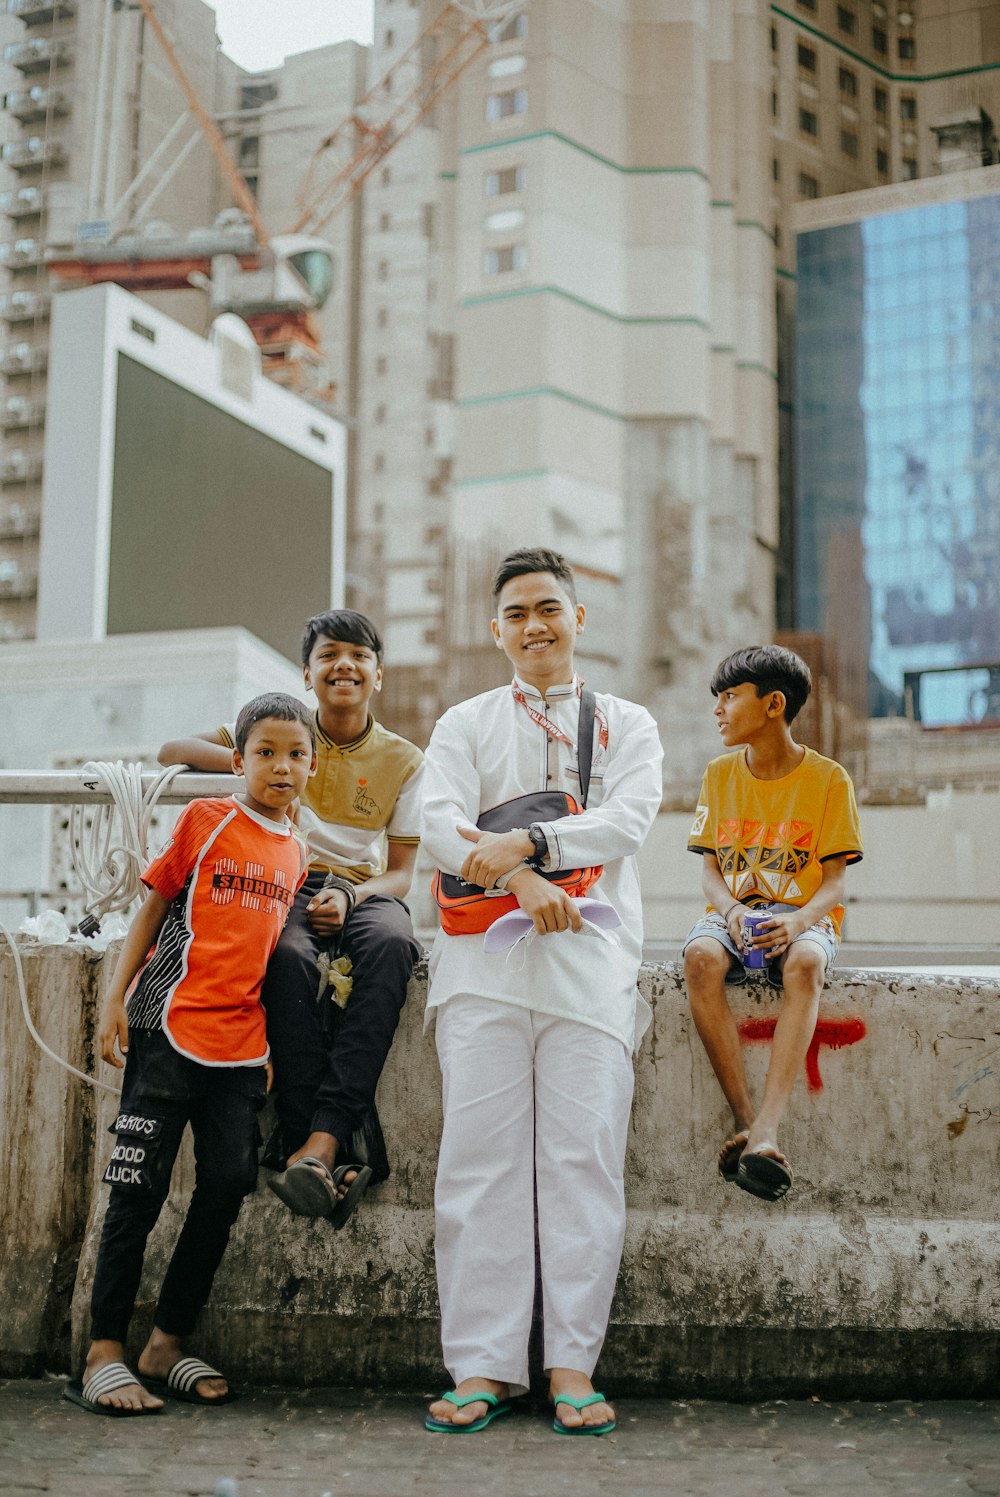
318,1087
161,1094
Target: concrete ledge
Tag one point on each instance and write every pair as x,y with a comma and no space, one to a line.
878,1276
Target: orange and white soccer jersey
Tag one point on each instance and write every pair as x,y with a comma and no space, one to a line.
771,837
231,876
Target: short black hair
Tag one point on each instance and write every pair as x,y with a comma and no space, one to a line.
534,559
272,704
343,624
768,668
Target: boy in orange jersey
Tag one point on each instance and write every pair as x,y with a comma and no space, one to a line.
187,1016
776,826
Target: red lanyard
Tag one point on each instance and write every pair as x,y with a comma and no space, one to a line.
539,718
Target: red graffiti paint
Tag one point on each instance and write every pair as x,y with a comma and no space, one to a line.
834,1033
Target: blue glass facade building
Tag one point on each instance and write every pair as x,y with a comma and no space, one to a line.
897,544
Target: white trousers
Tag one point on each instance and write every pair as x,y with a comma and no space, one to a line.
536,1109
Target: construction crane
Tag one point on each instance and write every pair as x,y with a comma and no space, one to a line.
276,284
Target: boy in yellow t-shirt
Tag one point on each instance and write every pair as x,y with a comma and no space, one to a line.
776,826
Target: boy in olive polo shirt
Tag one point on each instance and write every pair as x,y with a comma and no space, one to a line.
365,796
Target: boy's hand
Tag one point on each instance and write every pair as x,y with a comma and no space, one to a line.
734,925
114,1026
550,909
494,854
780,931
327,911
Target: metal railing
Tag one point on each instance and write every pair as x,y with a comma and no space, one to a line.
77,787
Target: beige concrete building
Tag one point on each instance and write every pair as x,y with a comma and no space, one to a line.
553,318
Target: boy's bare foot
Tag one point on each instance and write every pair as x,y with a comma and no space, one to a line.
132,1395
162,1352
731,1152
577,1385
446,1411
761,1144
323,1146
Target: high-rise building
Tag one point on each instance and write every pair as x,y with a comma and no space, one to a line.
563,304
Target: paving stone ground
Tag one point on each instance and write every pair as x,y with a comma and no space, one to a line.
341,1443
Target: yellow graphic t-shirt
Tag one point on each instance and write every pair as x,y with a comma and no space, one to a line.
771,837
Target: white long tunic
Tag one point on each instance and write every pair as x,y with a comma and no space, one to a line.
488,750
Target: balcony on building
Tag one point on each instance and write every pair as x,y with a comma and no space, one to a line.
23,358
23,202
39,53
25,306
19,254
37,103
22,522
17,412
34,153
34,12
20,465
17,581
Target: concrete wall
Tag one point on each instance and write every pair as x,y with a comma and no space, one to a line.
877,1277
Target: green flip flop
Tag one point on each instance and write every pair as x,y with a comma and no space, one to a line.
445,1427
582,1429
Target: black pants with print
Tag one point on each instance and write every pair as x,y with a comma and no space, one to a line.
161,1094
325,1083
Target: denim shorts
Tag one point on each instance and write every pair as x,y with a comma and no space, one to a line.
823,934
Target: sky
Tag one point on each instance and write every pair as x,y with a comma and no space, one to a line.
259,34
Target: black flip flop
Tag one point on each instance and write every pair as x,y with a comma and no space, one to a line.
106,1379
306,1187
349,1203
181,1382
763,1176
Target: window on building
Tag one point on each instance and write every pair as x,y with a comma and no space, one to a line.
807,58
774,103
379,415
383,317
808,186
807,4
390,38
382,270
776,236
775,169
509,179
808,122
881,101
381,364
849,143
774,38
880,40
383,223
910,169
509,31
504,258
907,107
378,463
386,176
848,81
847,21
502,106
882,162
906,46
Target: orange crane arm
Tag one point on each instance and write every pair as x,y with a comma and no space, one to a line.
369,139
241,193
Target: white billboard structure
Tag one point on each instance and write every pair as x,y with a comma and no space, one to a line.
182,489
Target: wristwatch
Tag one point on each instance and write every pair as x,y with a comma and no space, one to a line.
540,843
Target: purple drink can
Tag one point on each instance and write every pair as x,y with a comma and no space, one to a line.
754,957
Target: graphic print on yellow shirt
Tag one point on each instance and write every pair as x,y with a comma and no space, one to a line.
771,837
